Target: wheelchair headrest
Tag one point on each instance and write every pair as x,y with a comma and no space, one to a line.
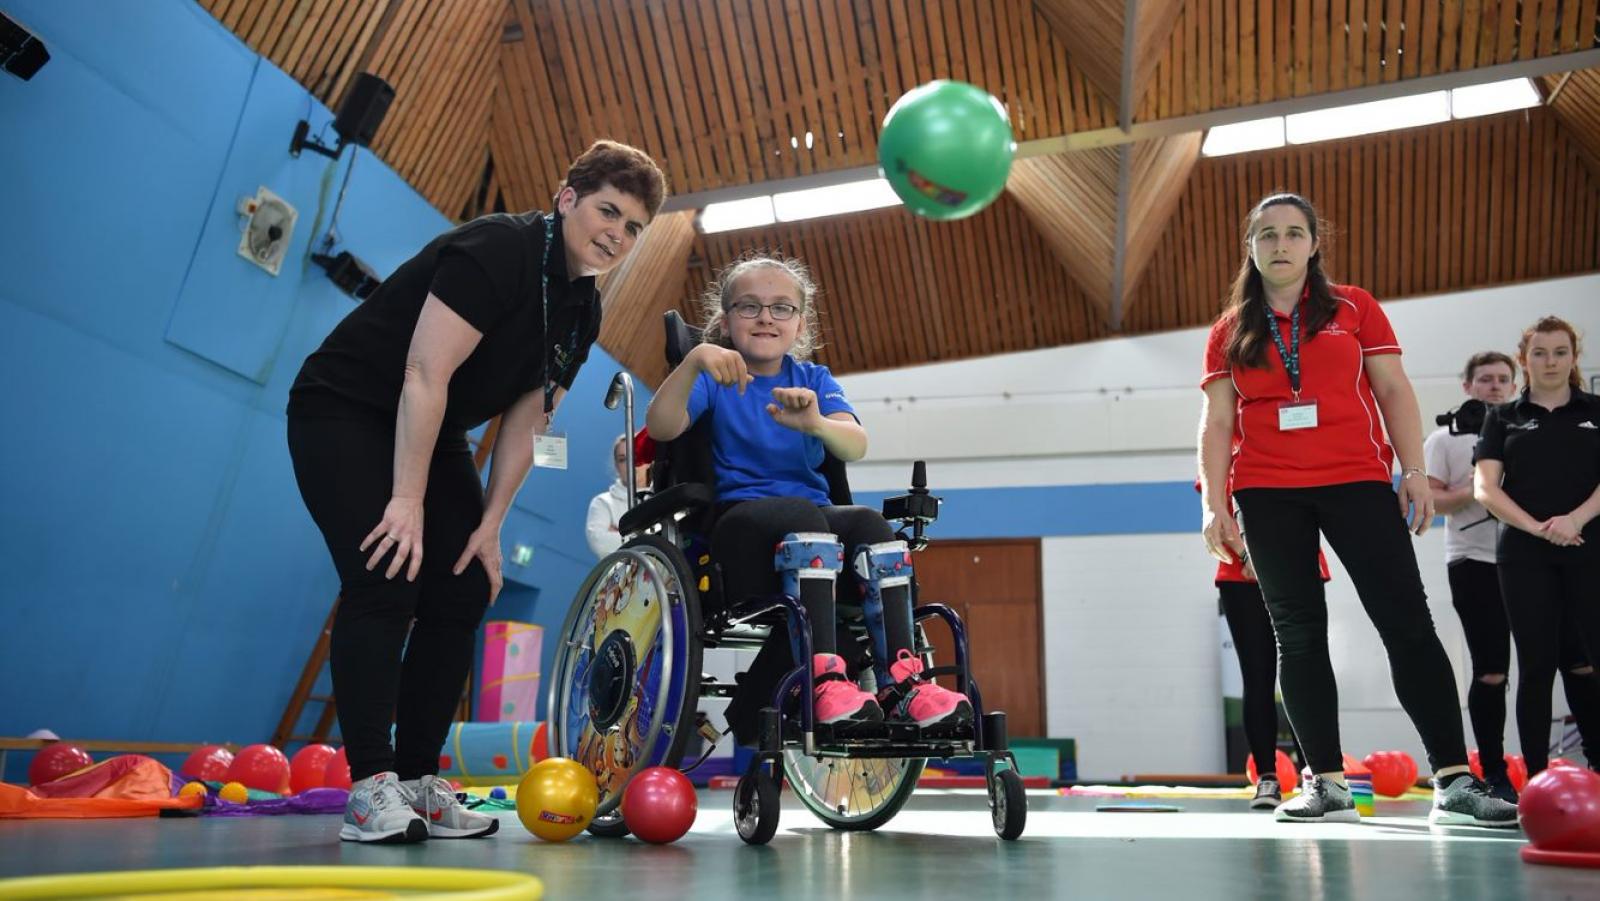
681,338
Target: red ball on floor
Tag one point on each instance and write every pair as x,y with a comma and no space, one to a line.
1560,810
659,805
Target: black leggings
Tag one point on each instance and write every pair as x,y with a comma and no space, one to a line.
345,471
742,543
1545,602
1475,593
1257,648
1362,522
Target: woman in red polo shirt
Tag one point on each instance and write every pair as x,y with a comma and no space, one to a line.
1301,378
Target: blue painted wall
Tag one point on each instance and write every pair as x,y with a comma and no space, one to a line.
161,579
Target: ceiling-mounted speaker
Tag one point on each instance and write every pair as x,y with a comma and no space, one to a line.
21,53
363,109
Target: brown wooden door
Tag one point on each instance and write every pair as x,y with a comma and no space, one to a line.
995,587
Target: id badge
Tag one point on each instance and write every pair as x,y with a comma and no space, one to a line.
550,450
1300,414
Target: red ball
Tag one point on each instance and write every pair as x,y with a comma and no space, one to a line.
1560,810
208,763
659,805
55,760
309,767
261,767
1408,767
337,772
539,749
1288,776
1388,774
1517,771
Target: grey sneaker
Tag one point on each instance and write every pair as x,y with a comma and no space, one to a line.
1500,787
1268,795
437,804
1465,800
379,810
1320,801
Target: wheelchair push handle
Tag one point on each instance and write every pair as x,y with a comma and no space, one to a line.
621,390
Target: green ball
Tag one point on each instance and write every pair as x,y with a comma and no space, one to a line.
946,148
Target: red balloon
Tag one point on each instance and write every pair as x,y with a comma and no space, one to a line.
309,767
1517,771
659,805
1474,764
540,748
1562,761
1288,776
261,767
337,772
1408,767
1560,810
55,760
208,763
1388,774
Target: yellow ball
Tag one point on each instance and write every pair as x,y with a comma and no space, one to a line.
193,788
557,798
235,792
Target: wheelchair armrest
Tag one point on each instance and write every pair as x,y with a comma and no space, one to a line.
687,497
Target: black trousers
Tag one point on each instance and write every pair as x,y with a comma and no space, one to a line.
742,543
1257,648
345,471
1475,593
1547,601
1362,522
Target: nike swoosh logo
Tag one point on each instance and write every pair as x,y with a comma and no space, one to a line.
360,820
436,815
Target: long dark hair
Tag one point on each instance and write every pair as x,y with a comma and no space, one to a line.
1247,299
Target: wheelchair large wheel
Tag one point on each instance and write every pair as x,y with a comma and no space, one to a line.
627,669
853,794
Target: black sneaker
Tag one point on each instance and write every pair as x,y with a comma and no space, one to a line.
1465,800
1268,795
1500,787
1320,801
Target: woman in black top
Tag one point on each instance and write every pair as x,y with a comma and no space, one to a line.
492,318
1538,471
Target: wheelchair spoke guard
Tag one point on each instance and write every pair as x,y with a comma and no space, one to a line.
627,668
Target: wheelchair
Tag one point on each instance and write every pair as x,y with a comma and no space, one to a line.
626,679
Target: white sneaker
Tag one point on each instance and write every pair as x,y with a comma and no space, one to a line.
435,801
1320,801
379,810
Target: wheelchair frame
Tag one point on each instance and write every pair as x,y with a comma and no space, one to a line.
788,725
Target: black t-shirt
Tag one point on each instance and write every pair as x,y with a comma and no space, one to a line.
1552,465
489,271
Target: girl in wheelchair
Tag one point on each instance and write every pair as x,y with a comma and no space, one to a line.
774,416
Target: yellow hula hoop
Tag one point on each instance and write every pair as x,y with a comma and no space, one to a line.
439,883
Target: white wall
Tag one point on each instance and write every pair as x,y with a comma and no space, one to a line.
1131,639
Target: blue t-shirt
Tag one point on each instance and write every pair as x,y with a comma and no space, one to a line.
753,455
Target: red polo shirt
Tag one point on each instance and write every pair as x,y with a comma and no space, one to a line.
1348,444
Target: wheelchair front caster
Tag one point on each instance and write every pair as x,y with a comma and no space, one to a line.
755,807
608,826
1008,804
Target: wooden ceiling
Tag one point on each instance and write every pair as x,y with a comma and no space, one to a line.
1128,231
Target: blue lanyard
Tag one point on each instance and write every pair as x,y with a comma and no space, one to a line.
1290,354
563,358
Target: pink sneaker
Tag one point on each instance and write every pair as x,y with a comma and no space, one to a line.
838,699
924,702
